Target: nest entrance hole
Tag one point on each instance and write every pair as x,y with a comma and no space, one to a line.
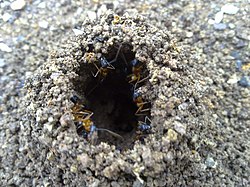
110,98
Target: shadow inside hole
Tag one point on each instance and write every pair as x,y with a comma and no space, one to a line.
114,109
110,98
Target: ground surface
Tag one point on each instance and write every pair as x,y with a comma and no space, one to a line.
204,101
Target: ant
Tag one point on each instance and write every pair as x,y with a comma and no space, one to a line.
83,119
138,100
105,65
79,110
137,67
81,115
144,127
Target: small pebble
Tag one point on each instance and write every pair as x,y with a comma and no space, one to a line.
229,9
20,38
5,48
243,34
77,32
55,75
211,21
42,5
48,126
91,15
2,63
220,26
235,54
245,67
18,5
13,127
233,79
73,169
231,25
180,128
171,135
137,183
101,10
83,159
238,65
43,24
50,119
210,163
79,11
6,17
183,106
189,34
244,81
218,17
240,44
4,78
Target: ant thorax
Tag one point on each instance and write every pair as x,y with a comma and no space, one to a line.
104,63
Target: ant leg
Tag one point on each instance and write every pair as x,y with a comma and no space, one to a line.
141,112
134,78
139,109
139,81
124,59
89,115
135,85
116,56
97,69
147,118
86,117
110,67
140,122
96,73
145,110
79,126
93,136
83,112
92,89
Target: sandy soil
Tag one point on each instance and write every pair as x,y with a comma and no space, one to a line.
195,58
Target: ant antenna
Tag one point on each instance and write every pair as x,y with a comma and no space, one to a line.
124,59
111,132
117,54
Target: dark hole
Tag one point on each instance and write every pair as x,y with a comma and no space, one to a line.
110,98
114,109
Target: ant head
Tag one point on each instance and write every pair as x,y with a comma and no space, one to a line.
84,134
79,123
134,62
136,94
104,63
74,99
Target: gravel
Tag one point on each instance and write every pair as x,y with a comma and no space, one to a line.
198,87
